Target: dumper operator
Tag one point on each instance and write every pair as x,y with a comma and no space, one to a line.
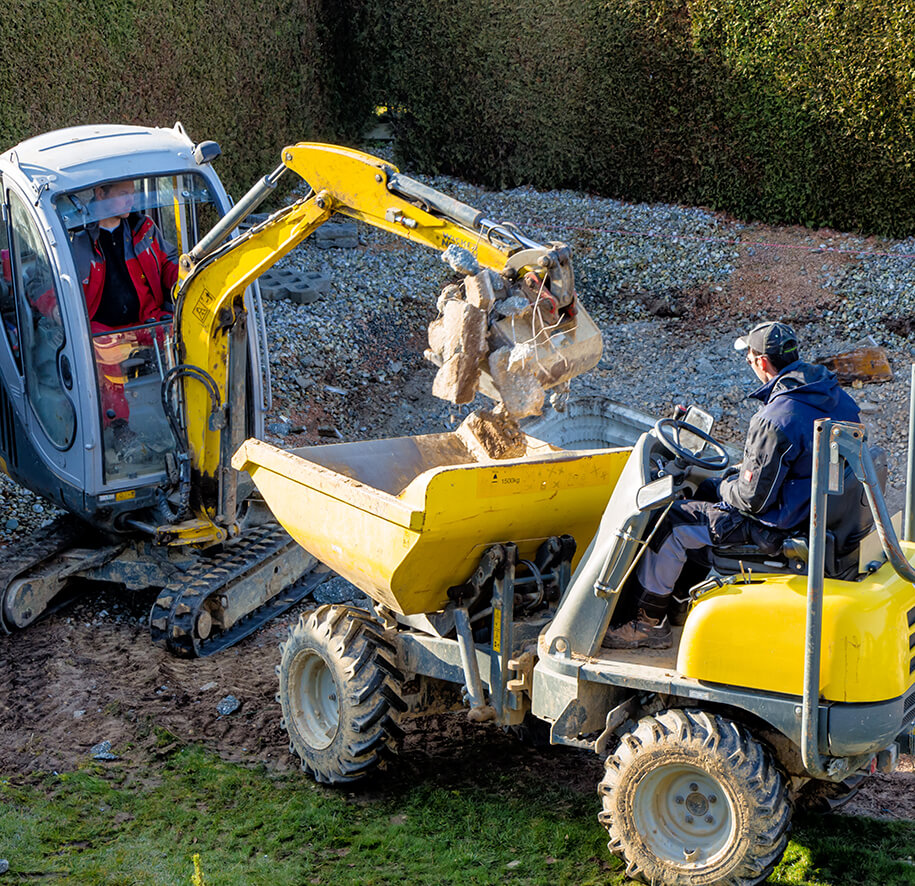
758,502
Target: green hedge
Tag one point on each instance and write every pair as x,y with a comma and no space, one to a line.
253,76
784,110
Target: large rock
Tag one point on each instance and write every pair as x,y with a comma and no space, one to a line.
437,338
521,393
464,330
448,293
483,289
492,435
457,379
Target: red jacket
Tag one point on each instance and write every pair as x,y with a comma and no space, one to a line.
151,262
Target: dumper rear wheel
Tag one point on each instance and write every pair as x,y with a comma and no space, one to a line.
340,693
690,798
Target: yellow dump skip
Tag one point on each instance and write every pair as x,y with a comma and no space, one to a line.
407,518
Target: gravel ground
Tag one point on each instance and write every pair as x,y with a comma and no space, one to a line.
668,285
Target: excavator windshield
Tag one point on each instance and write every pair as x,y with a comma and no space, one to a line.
181,206
126,236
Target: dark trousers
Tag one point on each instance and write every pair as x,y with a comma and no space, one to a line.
690,527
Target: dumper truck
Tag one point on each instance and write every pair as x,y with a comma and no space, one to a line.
790,677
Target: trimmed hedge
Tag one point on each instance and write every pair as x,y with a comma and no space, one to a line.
253,76
783,110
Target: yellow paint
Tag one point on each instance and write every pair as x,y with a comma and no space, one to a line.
199,532
3,466
406,549
125,495
357,184
753,635
497,630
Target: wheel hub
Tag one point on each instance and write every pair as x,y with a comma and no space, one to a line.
314,695
697,804
682,814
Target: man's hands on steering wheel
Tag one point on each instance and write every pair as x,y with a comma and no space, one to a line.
667,430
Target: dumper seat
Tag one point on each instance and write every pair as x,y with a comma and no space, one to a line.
848,521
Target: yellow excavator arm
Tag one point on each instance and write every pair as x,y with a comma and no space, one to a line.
215,274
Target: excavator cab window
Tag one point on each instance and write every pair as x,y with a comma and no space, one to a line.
181,206
132,359
7,297
39,334
130,366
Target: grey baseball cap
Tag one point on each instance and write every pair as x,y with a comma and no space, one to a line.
770,338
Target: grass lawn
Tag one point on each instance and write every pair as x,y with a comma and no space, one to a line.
136,825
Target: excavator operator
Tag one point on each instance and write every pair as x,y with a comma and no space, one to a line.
126,266
127,269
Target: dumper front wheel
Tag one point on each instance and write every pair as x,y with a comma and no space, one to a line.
690,798
339,691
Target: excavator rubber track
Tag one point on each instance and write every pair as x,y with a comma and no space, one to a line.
48,542
248,563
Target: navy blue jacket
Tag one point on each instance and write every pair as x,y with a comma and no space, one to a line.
773,483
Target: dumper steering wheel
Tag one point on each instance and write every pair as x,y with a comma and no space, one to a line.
668,433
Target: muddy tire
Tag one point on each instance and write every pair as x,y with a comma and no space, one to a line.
339,691
689,798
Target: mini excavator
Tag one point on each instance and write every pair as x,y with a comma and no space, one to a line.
131,430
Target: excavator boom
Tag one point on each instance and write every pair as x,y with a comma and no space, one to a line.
214,276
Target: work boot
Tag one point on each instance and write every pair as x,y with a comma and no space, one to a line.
642,632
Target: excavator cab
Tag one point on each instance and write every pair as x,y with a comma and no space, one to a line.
82,415
131,360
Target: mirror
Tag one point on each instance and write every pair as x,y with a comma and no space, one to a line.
655,494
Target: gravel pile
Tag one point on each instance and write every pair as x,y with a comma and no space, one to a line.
879,290
349,366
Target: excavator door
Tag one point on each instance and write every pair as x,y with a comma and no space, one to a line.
39,397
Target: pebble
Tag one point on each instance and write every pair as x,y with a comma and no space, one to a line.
280,428
228,705
4,865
